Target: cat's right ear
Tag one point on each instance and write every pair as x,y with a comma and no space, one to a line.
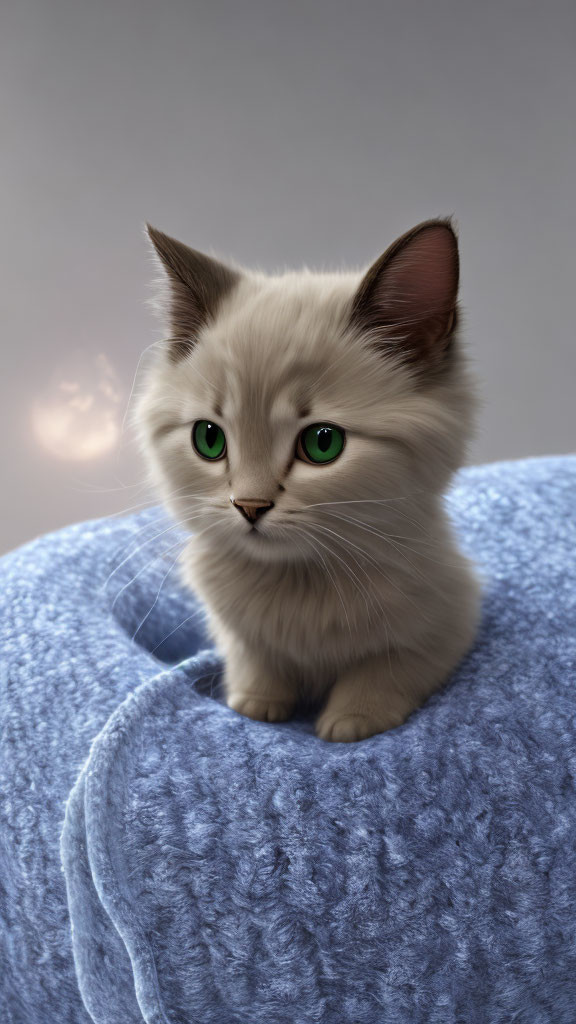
196,284
407,301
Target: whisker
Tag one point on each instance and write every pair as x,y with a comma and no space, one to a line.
387,625
165,577
370,501
394,539
143,569
194,615
386,622
192,496
377,501
370,528
173,526
164,516
154,344
89,488
147,502
375,563
349,571
336,587
155,602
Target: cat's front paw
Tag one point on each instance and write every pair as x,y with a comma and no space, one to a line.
339,727
345,728
262,709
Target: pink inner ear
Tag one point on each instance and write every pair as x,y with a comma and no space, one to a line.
416,291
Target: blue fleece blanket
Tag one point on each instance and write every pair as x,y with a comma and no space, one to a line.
164,859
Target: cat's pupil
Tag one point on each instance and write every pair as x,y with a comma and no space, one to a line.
324,438
211,434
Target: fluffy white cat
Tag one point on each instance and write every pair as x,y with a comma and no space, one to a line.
305,427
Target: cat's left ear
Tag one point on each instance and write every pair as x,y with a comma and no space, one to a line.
196,286
407,301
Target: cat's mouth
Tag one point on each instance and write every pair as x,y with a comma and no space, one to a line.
265,543
257,537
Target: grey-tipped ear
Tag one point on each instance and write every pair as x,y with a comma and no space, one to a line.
196,286
407,301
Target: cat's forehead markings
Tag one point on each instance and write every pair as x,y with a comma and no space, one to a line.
275,403
284,407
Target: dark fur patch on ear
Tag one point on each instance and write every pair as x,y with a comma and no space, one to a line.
407,301
196,286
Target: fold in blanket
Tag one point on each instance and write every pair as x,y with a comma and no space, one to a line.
164,859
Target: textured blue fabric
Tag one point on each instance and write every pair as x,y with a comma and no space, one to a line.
217,870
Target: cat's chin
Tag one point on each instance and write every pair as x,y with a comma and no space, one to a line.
267,547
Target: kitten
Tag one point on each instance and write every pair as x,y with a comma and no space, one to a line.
304,427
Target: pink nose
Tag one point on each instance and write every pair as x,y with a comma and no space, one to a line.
252,508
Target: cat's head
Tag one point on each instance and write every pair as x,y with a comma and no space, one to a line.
306,405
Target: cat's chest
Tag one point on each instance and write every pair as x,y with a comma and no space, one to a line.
302,615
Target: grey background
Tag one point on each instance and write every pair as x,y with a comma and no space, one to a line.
279,134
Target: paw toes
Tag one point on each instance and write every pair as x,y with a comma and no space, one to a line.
278,712
346,729
260,710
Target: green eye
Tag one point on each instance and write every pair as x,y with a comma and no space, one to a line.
208,439
320,443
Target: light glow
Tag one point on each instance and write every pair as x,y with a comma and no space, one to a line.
78,416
